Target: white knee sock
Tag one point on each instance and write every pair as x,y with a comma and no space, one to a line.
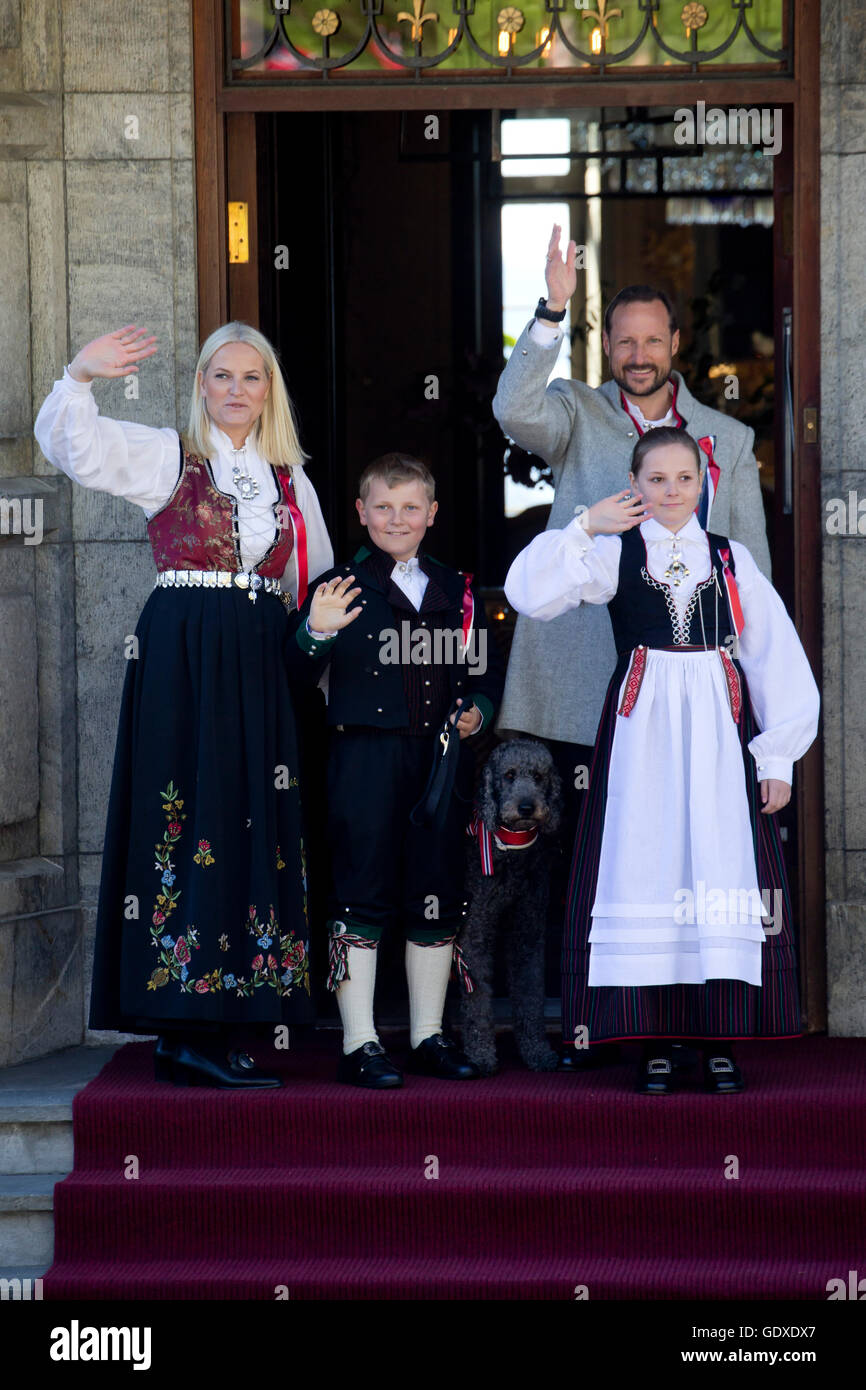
355,998
427,972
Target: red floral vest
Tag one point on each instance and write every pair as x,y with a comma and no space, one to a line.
197,528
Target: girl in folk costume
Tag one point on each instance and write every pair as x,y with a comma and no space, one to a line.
202,921
678,922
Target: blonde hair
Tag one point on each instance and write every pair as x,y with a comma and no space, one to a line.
394,469
275,431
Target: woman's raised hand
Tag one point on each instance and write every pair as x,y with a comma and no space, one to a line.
613,515
114,354
330,601
560,274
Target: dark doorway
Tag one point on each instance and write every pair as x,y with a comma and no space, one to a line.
408,276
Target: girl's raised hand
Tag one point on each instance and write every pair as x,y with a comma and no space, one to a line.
330,601
615,514
114,354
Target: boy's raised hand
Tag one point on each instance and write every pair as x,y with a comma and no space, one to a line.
330,601
615,514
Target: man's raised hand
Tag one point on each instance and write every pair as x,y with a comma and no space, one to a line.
560,274
114,354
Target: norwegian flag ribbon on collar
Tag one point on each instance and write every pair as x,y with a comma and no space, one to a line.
468,610
707,446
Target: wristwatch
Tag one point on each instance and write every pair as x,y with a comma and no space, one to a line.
552,315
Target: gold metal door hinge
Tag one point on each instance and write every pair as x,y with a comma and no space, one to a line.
239,243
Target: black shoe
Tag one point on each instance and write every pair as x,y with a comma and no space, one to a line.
234,1070
441,1057
369,1065
655,1075
580,1059
722,1076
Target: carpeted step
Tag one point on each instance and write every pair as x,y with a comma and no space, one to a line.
476,1278
805,1104
507,1211
545,1182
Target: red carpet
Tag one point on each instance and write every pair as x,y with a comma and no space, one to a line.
545,1183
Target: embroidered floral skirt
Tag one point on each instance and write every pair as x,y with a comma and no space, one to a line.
719,1007
203,901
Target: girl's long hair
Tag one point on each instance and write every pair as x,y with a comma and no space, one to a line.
275,431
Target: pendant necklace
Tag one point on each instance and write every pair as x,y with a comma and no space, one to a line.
244,482
676,571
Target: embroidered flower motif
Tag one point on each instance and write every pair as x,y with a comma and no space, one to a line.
182,953
281,863
201,986
167,941
203,855
158,978
229,981
258,962
264,942
223,942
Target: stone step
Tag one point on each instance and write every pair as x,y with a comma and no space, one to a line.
21,1282
36,1109
36,1151
27,1217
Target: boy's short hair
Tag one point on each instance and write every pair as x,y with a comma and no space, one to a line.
394,469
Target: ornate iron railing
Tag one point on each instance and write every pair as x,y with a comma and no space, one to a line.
297,40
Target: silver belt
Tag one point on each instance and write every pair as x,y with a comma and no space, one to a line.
221,579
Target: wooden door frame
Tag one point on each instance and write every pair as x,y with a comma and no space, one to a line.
224,129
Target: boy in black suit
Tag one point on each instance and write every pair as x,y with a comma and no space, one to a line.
414,646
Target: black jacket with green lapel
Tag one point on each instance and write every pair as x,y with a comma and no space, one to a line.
364,688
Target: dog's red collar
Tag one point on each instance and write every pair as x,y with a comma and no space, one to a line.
505,839
515,839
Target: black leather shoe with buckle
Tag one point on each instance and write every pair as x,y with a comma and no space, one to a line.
440,1056
234,1070
370,1066
722,1076
656,1075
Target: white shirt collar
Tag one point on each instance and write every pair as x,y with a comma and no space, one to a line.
655,534
652,424
406,566
225,445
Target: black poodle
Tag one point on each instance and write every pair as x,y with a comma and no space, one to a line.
508,887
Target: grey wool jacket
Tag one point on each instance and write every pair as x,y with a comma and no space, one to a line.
559,670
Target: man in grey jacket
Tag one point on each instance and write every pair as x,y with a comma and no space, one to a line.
559,670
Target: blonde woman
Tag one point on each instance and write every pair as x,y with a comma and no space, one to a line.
202,923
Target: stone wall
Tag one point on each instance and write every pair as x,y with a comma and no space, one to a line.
97,220
843,450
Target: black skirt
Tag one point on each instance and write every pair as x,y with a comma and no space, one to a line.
202,914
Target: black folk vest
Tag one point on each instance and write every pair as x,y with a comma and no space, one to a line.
643,612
